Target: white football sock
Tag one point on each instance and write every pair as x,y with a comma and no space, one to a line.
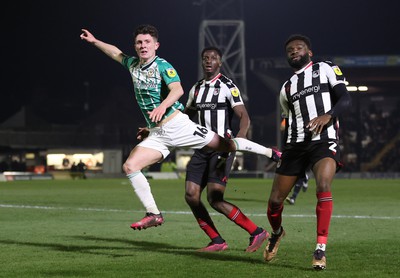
249,146
320,246
143,191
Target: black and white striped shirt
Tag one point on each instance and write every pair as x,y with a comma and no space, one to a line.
214,101
306,95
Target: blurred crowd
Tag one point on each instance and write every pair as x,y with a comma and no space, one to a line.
371,140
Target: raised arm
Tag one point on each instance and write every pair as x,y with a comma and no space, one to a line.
110,50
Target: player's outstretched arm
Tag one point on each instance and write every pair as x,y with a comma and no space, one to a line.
110,50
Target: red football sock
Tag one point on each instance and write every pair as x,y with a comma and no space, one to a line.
242,220
274,214
324,212
209,229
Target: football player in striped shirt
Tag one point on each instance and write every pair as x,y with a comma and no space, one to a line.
311,101
214,100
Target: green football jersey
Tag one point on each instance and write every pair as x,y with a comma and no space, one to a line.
150,82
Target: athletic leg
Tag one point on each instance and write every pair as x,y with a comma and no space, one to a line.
215,196
324,171
139,158
280,190
193,199
221,144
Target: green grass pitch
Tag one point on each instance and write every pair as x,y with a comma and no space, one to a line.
80,228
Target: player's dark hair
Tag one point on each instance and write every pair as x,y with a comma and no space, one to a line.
299,37
216,49
146,29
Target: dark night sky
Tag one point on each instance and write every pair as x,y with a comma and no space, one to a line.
45,64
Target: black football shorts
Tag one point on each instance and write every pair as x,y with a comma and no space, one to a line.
209,167
297,157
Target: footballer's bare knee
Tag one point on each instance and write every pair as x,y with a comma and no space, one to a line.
129,167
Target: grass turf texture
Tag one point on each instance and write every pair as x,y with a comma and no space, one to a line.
80,228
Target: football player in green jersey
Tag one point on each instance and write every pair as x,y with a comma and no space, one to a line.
157,89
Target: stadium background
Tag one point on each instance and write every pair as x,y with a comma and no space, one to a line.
60,95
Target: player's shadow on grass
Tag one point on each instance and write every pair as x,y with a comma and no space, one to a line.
173,250
145,246
89,249
189,251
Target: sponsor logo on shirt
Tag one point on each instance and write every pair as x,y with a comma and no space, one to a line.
171,72
145,85
210,106
306,91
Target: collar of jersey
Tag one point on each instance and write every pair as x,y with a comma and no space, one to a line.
306,67
145,66
213,80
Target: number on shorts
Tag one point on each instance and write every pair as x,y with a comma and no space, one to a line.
332,147
202,131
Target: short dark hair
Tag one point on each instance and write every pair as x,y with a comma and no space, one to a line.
299,37
216,49
146,29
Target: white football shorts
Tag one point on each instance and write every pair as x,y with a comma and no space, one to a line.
180,132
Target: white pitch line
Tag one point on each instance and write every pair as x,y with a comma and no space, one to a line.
189,212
